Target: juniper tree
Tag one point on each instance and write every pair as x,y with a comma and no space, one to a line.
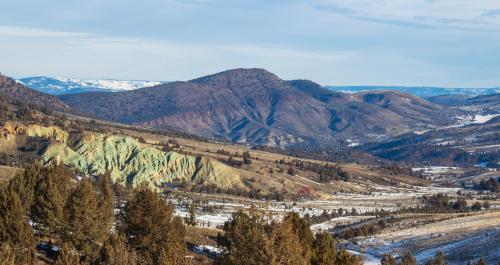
83,226
15,230
324,249
150,227
287,249
408,259
191,218
52,190
106,203
24,183
115,251
245,241
388,260
301,228
346,258
67,256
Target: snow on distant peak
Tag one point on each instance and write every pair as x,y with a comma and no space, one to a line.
68,85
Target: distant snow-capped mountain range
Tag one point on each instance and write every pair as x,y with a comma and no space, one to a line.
423,92
65,85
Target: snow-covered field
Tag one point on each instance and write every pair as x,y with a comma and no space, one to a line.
462,239
387,198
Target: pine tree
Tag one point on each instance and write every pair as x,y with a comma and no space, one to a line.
245,241
14,228
84,227
324,249
287,249
148,223
67,256
116,252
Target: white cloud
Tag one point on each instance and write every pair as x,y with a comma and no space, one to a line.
460,14
35,32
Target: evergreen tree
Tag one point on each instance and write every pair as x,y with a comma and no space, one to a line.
106,204
324,249
287,249
245,241
408,259
67,256
14,228
247,159
52,190
346,258
150,227
116,252
301,228
191,218
388,260
24,184
83,226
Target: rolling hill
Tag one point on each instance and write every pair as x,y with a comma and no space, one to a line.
18,92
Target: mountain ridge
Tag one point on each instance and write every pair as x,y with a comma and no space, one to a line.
257,107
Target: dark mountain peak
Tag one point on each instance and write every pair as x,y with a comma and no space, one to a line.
238,73
241,78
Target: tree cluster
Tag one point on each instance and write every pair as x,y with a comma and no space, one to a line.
46,206
250,239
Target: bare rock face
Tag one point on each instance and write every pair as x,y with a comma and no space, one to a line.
256,107
131,162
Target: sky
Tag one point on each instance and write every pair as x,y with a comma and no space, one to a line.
451,43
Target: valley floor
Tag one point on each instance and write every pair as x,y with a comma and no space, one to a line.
462,239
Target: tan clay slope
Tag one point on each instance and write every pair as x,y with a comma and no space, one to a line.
128,160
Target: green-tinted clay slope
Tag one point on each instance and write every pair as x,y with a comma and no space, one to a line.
134,163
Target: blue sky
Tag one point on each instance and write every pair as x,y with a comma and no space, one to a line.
453,43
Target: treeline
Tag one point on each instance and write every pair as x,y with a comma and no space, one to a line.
491,184
409,259
253,193
327,172
325,215
439,203
250,239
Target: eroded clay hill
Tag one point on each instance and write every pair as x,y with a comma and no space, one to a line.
128,160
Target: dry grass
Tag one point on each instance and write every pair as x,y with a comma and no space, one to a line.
7,173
